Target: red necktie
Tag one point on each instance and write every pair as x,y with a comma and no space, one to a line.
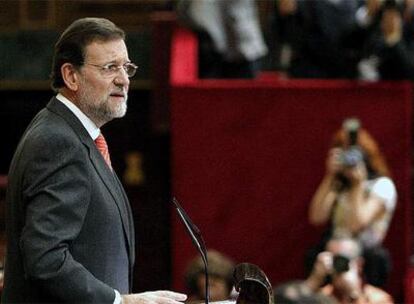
100,143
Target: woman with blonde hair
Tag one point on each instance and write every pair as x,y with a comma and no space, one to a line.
357,197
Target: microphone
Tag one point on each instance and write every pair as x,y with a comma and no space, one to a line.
198,242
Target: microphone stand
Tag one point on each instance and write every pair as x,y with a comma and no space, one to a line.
198,241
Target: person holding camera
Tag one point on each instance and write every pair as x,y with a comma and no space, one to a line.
341,264
356,198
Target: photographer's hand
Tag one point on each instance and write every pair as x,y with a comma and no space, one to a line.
321,269
333,162
326,194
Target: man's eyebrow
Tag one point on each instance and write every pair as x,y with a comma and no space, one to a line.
117,61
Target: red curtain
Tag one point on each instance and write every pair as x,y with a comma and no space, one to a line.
248,156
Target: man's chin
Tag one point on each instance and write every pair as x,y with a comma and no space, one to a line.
120,111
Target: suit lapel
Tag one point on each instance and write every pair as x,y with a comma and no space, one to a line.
110,181
101,167
128,217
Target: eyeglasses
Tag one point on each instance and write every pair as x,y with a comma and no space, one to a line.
112,69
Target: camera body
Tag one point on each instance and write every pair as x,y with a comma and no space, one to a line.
351,157
340,263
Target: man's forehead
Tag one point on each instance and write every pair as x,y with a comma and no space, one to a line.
106,50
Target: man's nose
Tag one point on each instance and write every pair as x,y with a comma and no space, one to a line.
122,78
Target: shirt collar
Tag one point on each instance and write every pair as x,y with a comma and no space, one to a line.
89,125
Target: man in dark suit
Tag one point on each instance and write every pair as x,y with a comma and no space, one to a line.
69,224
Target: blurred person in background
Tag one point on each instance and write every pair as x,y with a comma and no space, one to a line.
356,198
388,28
342,263
282,34
336,277
230,37
313,38
220,270
369,40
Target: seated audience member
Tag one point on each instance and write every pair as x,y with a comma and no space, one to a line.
220,269
356,197
341,266
313,38
388,49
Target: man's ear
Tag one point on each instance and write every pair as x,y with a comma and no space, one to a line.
70,76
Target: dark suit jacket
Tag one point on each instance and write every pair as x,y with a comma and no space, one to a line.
69,224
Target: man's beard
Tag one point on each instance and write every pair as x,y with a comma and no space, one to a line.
102,112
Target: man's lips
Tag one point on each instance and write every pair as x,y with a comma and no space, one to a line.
122,95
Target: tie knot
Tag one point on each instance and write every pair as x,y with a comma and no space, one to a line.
102,146
100,142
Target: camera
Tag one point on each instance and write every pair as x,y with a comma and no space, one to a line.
351,157
340,263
